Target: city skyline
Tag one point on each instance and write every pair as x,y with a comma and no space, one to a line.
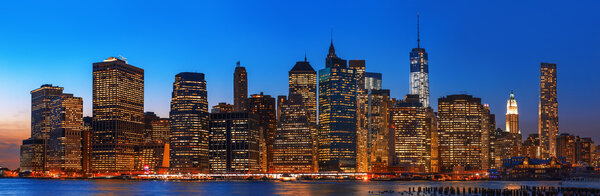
395,76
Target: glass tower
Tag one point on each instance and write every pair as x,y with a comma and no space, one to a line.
337,115
419,72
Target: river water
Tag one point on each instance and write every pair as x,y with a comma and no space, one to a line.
218,188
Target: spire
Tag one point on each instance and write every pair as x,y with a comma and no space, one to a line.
305,57
331,48
418,32
512,95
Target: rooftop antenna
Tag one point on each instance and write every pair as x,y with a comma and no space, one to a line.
237,64
331,34
123,58
418,32
305,56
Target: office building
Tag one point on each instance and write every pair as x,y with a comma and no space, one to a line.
293,146
337,115
118,120
64,143
234,143
189,143
548,119
414,130
461,130
419,72
240,88
373,80
263,107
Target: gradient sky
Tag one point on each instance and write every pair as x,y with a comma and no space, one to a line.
477,47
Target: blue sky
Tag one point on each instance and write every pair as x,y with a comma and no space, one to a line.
483,48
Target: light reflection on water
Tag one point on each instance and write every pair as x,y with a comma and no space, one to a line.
304,188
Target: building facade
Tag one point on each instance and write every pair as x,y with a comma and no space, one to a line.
548,119
118,115
461,127
413,129
294,150
65,141
189,143
264,107
419,72
234,143
240,88
337,115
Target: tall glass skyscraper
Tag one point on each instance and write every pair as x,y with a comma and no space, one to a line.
548,119
189,124
419,72
118,109
337,115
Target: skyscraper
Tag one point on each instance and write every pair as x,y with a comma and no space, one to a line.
263,107
189,124
64,143
565,147
303,81
372,80
512,115
548,116
413,129
419,71
234,143
118,112
374,150
337,115
293,142
34,149
460,129
240,88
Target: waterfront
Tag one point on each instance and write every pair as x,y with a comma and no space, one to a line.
14,186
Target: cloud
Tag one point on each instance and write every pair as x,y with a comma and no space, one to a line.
9,155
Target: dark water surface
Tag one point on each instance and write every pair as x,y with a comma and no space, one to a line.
217,188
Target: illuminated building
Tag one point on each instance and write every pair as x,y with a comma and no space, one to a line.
414,131
64,143
583,151
548,116
40,109
234,143
34,149
222,108
240,88
303,81
488,126
86,145
419,72
512,115
189,141
359,67
337,115
152,153
293,143
118,112
374,137
530,146
503,147
512,124
373,80
461,130
263,107
565,147
32,155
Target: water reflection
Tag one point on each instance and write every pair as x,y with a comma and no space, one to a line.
302,188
